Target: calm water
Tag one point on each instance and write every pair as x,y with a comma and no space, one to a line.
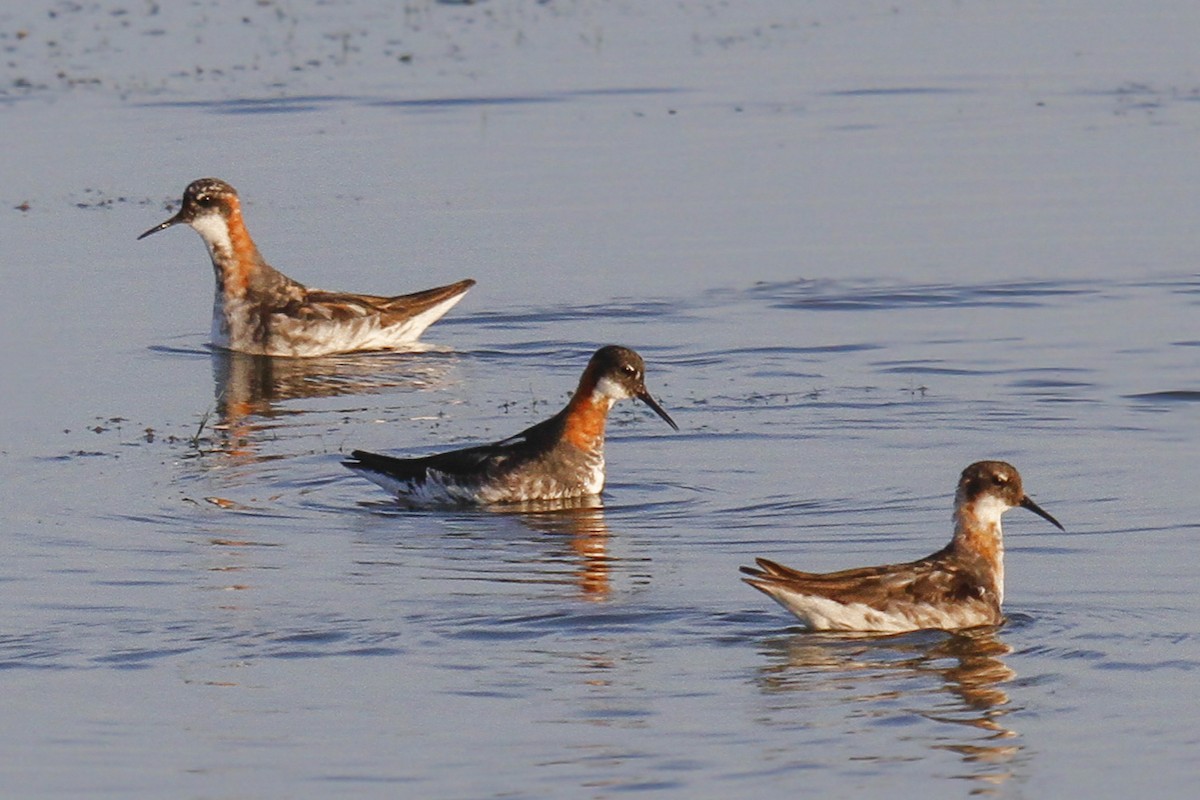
858,249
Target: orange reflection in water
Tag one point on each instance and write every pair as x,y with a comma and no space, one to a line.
254,393
581,522
875,674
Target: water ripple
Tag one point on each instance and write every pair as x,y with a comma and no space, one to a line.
1168,396
841,295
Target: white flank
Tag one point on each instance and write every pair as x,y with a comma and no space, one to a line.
594,482
234,328
382,479
439,490
823,614
406,332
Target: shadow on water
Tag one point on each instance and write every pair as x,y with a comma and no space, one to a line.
617,309
869,295
1168,396
299,104
882,679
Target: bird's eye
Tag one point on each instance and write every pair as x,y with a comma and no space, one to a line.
628,370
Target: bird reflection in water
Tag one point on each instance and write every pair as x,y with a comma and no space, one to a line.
252,392
888,671
580,524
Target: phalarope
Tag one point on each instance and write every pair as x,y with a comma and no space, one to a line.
558,459
259,310
959,586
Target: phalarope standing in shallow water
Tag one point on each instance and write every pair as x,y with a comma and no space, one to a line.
259,310
959,586
558,459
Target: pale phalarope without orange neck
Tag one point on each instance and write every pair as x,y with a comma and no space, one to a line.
959,586
259,310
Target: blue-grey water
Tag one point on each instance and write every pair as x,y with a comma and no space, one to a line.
860,246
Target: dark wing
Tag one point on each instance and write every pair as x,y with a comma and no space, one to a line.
484,459
406,305
470,460
933,580
320,304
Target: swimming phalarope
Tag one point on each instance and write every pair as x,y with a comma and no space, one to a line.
559,459
259,310
959,586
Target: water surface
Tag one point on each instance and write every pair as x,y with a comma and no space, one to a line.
859,249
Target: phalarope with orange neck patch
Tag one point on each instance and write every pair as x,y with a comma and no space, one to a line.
559,459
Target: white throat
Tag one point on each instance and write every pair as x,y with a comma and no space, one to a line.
984,518
214,230
611,390
988,510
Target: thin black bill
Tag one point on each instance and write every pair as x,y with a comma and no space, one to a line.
1035,508
162,226
650,401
